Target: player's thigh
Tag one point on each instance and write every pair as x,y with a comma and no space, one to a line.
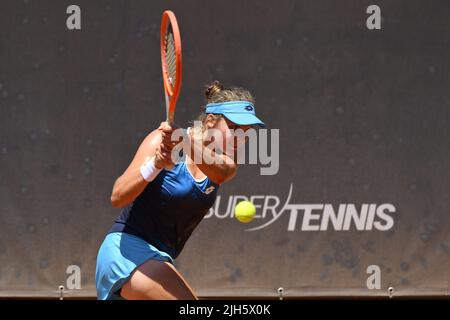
156,280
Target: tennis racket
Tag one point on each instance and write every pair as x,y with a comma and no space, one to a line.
170,61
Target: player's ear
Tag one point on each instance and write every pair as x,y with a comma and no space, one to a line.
210,121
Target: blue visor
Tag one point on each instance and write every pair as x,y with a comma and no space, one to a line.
239,112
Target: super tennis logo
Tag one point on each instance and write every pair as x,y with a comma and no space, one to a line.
309,217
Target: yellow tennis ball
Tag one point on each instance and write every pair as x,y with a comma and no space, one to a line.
245,211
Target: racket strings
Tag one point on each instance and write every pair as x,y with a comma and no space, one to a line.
171,58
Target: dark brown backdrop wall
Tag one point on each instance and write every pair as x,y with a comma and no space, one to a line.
363,118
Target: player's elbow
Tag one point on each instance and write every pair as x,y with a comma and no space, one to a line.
119,202
117,199
225,174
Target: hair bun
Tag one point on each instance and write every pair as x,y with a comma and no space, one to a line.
213,88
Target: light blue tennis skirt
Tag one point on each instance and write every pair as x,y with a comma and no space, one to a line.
119,254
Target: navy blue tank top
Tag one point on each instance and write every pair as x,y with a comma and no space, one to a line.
168,210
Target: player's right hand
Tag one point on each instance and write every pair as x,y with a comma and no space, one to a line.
163,156
166,134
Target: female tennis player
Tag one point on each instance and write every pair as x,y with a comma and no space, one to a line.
161,208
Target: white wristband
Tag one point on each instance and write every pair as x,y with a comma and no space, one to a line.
148,170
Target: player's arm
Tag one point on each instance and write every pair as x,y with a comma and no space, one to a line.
131,183
217,171
220,172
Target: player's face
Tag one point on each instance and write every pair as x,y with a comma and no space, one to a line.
231,137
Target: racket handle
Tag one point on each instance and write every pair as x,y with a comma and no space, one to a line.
170,119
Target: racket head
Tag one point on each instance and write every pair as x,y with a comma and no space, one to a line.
170,60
